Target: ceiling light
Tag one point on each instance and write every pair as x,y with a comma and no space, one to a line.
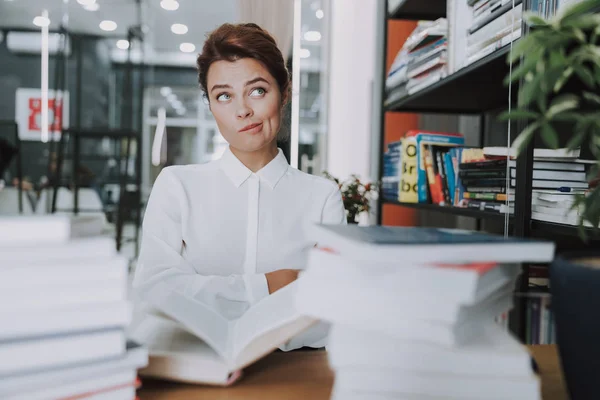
187,47
165,91
169,5
108,25
171,97
320,14
181,111
179,29
92,7
304,53
41,21
123,44
86,2
312,36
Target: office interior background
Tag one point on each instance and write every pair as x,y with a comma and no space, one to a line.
123,99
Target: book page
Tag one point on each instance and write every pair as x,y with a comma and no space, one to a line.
192,314
267,325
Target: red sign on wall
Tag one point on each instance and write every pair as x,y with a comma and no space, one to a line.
29,113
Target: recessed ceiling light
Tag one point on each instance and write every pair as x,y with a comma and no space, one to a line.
123,44
320,14
179,29
92,7
86,2
181,111
41,21
165,91
171,97
187,47
312,36
108,25
169,5
304,53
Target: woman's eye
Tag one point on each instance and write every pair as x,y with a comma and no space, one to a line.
258,92
223,97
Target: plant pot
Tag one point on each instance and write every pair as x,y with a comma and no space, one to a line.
575,289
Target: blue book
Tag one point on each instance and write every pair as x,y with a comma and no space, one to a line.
409,245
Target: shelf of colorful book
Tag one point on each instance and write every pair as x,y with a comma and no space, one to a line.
562,229
473,89
465,212
419,10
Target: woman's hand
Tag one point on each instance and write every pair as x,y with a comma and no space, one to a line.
278,279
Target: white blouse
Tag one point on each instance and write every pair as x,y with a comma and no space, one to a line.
214,230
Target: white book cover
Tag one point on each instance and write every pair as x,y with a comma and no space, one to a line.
83,248
466,387
53,351
493,352
34,230
191,342
17,384
454,284
64,320
94,388
373,244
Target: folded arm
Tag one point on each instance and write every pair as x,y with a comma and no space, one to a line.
160,257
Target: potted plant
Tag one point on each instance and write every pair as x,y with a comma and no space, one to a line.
559,70
356,195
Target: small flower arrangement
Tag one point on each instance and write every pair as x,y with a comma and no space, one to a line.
356,195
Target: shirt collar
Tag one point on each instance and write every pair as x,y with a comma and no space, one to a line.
238,173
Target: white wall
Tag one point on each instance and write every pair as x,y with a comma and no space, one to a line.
352,61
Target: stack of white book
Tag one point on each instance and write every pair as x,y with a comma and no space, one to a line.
63,311
412,312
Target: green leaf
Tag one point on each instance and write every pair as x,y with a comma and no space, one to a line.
528,91
575,11
597,73
586,21
562,103
567,117
549,135
517,114
533,19
563,79
593,97
527,65
577,139
586,76
525,137
526,44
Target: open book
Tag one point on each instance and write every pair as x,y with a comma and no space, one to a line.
191,342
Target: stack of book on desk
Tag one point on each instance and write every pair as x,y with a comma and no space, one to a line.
412,312
64,310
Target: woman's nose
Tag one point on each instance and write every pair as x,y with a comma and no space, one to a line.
244,111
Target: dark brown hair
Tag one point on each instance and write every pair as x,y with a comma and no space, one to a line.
231,42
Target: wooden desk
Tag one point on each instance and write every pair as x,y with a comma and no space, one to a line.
302,375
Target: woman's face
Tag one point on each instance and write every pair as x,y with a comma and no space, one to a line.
246,102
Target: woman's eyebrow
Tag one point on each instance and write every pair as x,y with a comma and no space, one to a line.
220,86
255,80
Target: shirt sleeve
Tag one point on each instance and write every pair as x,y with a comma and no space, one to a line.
317,335
333,210
160,257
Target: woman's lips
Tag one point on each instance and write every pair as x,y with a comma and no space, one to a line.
252,128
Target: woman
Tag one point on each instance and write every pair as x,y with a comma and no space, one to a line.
231,232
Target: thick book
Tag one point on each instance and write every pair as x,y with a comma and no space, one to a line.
191,342
420,244
48,229
14,386
494,352
450,284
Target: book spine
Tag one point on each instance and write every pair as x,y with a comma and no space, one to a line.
432,179
408,192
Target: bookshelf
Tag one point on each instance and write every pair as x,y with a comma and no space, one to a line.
473,90
464,212
419,9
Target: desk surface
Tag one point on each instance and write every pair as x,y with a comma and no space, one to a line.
302,375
